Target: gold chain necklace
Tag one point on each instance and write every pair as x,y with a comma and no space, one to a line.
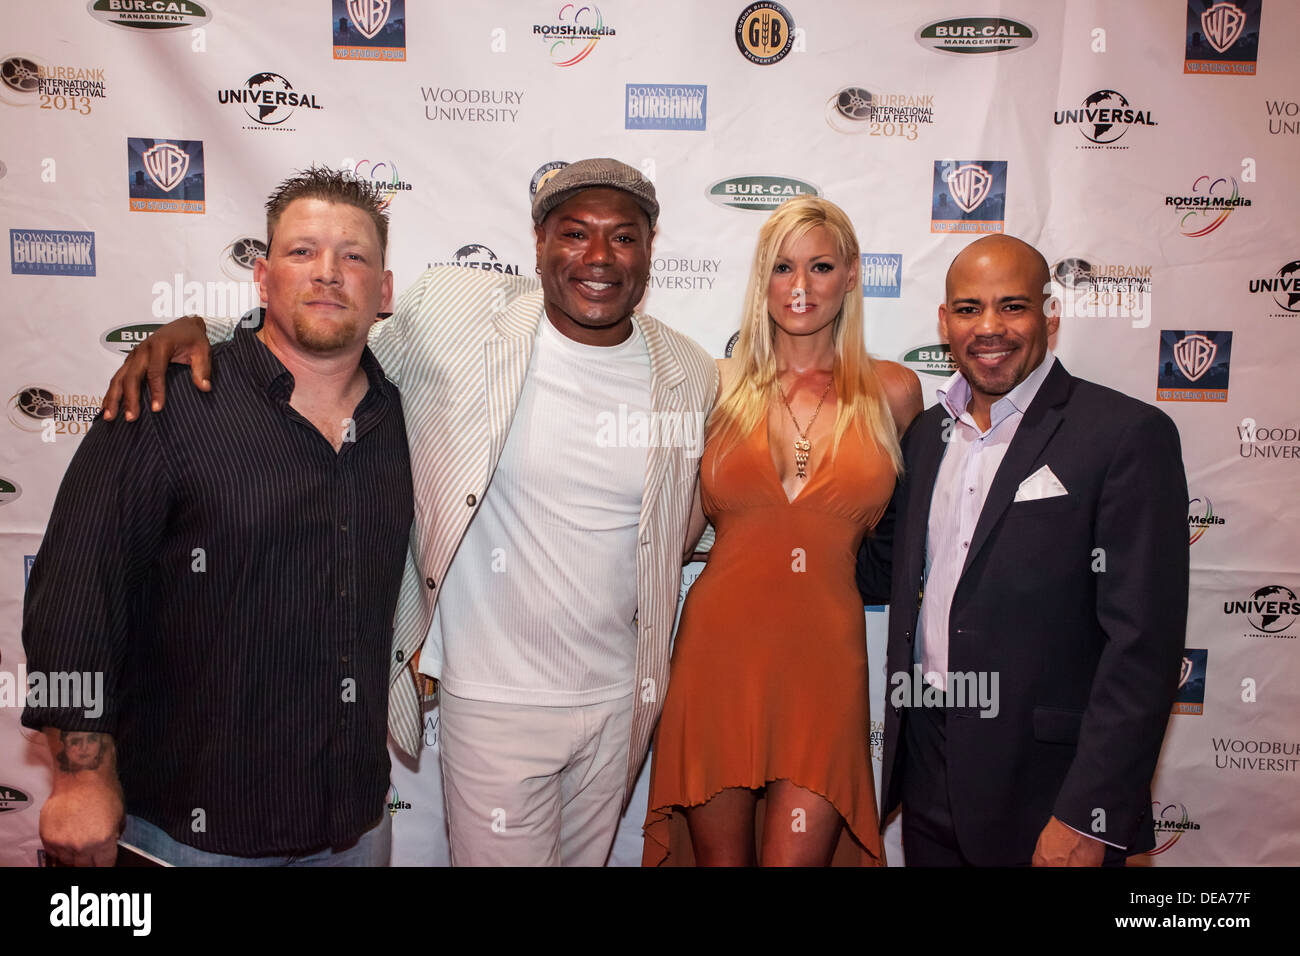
802,446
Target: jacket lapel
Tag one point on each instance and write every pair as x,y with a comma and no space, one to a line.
505,363
1037,427
666,377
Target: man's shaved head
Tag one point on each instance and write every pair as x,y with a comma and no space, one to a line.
1003,245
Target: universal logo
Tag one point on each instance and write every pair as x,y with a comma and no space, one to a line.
369,29
1283,287
965,36
574,33
1103,119
268,99
151,15
478,256
765,33
1270,611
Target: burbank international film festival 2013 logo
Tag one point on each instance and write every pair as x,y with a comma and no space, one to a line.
666,106
49,411
1211,201
1222,37
51,252
969,196
165,175
1089,288
858,109
1193,366
573,34
369,29
65,88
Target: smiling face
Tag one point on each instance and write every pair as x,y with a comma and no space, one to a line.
993,317
323,279
593,251
809,280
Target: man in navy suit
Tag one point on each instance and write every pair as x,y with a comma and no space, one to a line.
1038,548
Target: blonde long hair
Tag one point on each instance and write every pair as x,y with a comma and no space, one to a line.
745,402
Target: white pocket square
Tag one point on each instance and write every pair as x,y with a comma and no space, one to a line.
1041,484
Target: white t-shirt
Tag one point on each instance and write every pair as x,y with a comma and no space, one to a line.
538,603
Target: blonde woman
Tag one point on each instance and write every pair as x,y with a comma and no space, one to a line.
766,717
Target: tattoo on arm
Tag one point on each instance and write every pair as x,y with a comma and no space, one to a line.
82,750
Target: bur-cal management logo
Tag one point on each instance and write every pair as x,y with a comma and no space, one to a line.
966,36
758,193
165,175
9,490
935,359
968,196
1193,366
151,15
666,106
51,252
1222,37
369,29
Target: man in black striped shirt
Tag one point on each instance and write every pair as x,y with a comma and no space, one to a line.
229,572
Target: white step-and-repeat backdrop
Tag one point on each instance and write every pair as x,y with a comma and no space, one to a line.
1148,149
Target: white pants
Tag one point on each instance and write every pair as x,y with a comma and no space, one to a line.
533,786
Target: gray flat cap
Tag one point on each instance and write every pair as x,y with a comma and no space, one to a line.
595,174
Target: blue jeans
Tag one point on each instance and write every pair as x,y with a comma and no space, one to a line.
371,848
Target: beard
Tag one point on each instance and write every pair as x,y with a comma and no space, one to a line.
324,337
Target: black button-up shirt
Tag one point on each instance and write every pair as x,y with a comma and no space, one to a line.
234,580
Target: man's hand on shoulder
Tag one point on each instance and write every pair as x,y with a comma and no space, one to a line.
1059,845
184,341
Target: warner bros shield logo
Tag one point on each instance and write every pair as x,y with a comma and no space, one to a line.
969,186
968,196
166,165
1193,366
368,16
1223,24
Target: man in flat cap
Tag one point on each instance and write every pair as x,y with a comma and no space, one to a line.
545,560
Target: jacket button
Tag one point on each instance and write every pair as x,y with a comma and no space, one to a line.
471,500
400,655
429,581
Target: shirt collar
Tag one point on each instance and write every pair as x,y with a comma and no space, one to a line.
954,394
268,372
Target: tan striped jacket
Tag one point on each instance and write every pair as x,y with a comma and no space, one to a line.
458,348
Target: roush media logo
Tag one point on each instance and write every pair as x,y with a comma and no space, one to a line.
758,193
1190,698
165,175
666,106
765,33
1222,37
1171,821
1193,366
968,196
152,15
51,252
882,275
1201,517
1284,288
268,99
1103,118
384,175
965,36
573,34
369,29
1211,202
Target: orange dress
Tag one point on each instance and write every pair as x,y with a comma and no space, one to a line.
769,670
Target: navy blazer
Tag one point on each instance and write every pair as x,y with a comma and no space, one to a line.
1077,602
